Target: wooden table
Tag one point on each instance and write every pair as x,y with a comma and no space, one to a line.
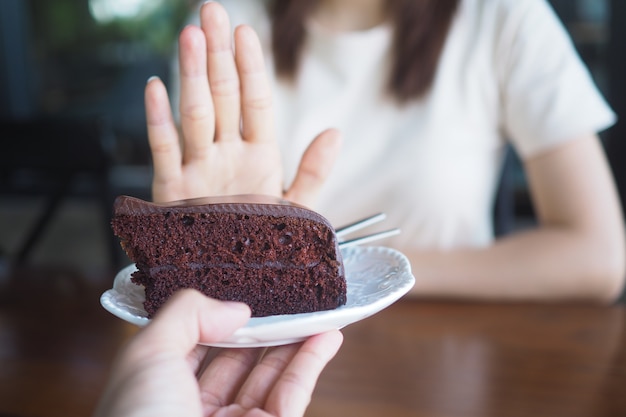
412,359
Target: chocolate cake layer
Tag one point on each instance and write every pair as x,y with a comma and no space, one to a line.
278,257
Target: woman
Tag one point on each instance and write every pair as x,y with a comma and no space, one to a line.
426,94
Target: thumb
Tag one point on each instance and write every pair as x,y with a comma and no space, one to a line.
315,166
189,318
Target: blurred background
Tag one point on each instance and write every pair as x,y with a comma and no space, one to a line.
72,123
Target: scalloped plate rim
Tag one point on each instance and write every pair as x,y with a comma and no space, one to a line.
291,328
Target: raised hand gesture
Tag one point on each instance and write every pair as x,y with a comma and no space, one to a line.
226,143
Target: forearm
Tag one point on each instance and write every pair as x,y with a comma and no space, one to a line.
548,263
576,252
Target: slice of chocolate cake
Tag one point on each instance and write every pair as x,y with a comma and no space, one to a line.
275,256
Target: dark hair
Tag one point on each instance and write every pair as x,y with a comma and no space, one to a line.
420,30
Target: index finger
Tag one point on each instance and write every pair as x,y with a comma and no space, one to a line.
292,391
256,98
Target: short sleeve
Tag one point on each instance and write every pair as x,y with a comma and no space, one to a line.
548,94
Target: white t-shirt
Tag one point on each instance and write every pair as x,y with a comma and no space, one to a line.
508,71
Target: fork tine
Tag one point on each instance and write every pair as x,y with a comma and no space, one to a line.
369,238
359,224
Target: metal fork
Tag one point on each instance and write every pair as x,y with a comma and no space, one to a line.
360,224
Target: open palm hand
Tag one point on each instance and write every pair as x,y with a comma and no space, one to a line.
226,144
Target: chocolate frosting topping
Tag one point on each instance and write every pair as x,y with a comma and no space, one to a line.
244,203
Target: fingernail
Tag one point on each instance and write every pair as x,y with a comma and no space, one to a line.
235,305
154,77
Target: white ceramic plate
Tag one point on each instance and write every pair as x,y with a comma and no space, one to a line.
376,277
